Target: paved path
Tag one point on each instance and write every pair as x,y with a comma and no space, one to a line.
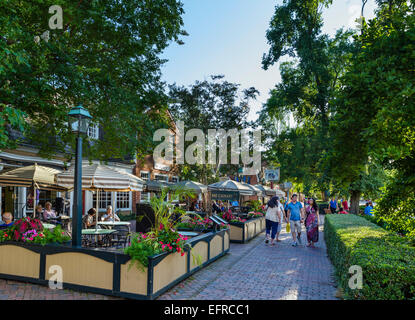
254,271
250,271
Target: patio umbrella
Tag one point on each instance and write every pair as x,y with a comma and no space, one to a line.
156,185
230,185
99,177
38,177
197,187
266,191
254,189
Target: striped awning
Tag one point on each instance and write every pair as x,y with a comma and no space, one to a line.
40,177
101,177
230,185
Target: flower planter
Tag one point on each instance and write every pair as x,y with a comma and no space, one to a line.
241,232
110,273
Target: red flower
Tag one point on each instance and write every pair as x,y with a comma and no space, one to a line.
182,254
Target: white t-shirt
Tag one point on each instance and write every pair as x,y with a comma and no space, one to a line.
272,214
281,211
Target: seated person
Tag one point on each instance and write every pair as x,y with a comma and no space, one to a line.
48,212
342,211
39,212
7,219
110,216
89,219
197,207
215,208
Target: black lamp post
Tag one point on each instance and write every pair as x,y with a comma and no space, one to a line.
79,119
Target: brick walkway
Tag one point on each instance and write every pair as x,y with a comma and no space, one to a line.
250,271
254,271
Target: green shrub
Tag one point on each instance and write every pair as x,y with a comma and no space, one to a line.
387,260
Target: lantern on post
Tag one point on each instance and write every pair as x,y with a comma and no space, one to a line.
79,120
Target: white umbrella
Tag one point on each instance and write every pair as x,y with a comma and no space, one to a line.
99,177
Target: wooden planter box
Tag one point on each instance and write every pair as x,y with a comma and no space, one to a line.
241,232
109,273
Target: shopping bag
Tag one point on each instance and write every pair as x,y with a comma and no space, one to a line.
287,228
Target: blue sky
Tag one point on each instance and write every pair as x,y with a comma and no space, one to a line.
228,37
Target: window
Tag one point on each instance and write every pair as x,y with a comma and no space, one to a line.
145,175
104,199
161,177
145,197
123,200
174,179
93,131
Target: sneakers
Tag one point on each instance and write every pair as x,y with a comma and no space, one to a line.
299,238
294,244
266,241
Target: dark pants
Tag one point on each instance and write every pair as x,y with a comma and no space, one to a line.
271,227
333,210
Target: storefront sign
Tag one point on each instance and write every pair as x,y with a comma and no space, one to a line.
225,195
272,174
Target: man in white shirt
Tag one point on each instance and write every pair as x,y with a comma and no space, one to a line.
110,216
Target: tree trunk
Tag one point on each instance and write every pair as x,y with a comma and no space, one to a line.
354,202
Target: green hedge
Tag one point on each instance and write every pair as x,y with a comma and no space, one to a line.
387,260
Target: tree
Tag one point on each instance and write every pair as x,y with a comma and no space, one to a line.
310,80
215,104
375,120
106,57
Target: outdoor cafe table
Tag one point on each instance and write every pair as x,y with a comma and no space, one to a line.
98,232
111,224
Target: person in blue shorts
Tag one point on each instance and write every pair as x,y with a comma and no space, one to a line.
295,214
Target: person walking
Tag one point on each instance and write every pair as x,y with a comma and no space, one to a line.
312,222
295,214
282,217
333,205
272,218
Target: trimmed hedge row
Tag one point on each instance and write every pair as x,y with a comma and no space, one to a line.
387,260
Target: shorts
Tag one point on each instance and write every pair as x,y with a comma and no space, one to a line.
295,226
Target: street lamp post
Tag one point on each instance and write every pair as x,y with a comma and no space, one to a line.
79,119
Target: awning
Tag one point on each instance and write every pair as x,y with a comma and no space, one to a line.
101,177
38,176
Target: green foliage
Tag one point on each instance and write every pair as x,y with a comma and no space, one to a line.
140,249
387,260
106,58
163,210
396,208
195,223
163,236
210,104
307,90
30,230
